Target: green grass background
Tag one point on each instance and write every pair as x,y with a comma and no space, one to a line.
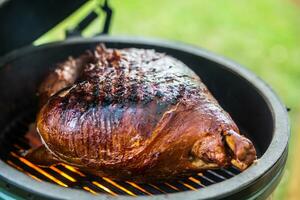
263,35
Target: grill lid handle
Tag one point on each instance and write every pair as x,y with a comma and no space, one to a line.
77,31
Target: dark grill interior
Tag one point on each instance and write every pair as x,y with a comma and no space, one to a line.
68,176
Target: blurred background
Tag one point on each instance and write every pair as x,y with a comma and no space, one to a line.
262,35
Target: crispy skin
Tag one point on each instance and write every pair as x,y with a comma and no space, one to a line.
64,75
137,114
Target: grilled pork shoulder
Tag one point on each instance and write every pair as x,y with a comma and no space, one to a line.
134,114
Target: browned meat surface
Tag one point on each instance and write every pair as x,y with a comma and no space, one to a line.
135,114
64,75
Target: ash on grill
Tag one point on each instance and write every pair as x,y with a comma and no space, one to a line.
68,176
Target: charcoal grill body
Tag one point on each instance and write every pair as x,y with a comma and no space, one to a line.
250,102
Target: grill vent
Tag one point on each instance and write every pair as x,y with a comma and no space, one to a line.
68,176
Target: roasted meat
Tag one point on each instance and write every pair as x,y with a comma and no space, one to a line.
134,114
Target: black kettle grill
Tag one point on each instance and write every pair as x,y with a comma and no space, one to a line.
250,102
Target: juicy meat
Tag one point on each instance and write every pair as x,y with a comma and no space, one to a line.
135,114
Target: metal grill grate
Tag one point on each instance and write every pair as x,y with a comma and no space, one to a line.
68,176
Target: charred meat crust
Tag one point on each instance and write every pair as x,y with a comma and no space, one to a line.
137,114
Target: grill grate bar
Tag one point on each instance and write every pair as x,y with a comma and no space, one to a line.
118,186
165,188
138,187
187,185
63,174
89,190
228,172
157,188
73,169
110,186
215,174
38,169
172,186
132,188
22,170
25,169
223,172
196,181
104,188
205,178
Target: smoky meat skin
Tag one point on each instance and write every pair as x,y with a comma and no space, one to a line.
137,114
